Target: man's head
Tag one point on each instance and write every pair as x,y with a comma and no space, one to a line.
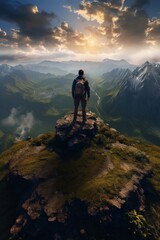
81,72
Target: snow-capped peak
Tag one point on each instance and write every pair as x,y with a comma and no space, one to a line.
5,69
147,72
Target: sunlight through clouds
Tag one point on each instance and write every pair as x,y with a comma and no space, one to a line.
108,26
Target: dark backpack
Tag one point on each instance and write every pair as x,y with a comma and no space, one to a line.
79,90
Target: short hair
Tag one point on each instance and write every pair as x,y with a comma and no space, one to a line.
80,72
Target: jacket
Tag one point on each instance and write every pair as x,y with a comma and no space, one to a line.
86,86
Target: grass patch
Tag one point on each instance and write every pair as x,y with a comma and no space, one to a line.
6,156
153,153
52,112
73,174
100,189
1,133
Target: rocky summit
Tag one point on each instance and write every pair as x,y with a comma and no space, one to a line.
76,134
83,181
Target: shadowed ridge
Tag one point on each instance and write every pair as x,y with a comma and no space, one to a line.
82,194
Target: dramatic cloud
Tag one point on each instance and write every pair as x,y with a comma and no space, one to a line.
113,3
100,11
130,27
153,31
35,31
2,33
31,22
103,26
120,25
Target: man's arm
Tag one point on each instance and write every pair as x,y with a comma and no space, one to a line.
73,87
87,88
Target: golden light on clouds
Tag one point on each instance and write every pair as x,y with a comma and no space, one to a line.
110,28
92,44
35,9
99,16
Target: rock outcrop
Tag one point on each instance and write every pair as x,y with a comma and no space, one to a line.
75,134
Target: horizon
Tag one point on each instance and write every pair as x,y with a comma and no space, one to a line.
65,61
84,30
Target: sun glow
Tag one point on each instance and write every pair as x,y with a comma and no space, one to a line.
35,9
92,44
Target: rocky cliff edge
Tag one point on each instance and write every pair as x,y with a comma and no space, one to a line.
80,182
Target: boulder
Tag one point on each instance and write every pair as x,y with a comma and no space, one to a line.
77,134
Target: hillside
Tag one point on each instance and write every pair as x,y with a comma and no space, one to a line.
32,102
92,68
85,181
130,100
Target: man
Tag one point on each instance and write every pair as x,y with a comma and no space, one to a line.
80,93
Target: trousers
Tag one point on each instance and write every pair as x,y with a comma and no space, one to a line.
83,101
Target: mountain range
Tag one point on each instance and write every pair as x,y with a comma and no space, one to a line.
90,68
31,101
75,180
127,98
131,100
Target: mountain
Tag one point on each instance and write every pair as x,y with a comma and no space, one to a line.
91,68
27,104
85,181
113,80
31,102
132,100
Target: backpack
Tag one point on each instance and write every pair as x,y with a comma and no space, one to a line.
79,90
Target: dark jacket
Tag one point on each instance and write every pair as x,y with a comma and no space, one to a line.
86,85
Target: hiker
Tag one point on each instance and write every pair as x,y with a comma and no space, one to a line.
80,93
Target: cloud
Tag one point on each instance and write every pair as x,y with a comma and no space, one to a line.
2,33
12,58
11,120
23,123
113,3
100,11
31,22
26,123
35,29
109,26
153,31
122,26
69,38
130,27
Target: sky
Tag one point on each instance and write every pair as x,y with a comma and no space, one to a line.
83,30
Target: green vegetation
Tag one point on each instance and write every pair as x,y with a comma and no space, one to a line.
1,133
139,226
52,112
95,175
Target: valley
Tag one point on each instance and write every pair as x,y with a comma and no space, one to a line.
126,99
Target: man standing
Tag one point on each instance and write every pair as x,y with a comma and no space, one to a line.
80,93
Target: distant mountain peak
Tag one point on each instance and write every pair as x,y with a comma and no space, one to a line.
113,60
147,68
148,73
5,69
